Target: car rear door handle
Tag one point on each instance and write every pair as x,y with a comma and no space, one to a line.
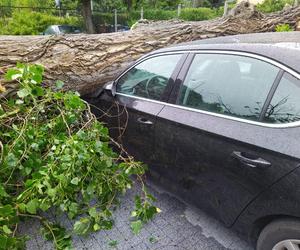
144,121
253,163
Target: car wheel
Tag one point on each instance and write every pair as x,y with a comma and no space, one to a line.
280,235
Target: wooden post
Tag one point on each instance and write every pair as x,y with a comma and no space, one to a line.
225,9
194,4
142,13
116,20
179,10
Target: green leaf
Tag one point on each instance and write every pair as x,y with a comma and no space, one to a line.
3,192
74,102
37,78
44,206
73,210
152,240
59,84
113,243
3,243
6,210
58,234
37,91
19,101
22,207
12,74
11,160
82,226
23,93
6,229
107,224
75,181
51,192
32,206
136,226
93,212
96,227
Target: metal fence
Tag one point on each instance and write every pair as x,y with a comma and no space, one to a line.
104,21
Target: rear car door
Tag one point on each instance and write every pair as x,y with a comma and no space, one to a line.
140,92
222,153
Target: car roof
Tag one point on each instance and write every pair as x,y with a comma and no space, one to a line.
283,47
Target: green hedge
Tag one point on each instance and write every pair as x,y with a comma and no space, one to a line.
188,14
32,23
273,5
24,22
198,14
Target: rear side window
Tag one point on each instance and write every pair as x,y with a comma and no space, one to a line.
228,84
149,78
285,104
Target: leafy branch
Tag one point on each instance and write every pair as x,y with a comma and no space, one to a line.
54,154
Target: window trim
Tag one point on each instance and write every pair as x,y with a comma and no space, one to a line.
270,95
227,52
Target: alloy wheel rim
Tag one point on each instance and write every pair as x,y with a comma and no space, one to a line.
289,244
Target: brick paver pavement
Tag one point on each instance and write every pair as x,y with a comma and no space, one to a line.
177,227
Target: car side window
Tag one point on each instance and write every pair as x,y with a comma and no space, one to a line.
285,104
149,78
232,85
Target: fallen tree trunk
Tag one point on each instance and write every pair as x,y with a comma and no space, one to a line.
84,62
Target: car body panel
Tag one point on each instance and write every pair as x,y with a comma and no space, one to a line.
278,201
203,167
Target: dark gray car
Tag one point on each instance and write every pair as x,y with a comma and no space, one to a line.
218,122
62,29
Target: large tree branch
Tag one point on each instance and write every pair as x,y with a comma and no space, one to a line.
86,61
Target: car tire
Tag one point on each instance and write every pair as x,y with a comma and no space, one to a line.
279,234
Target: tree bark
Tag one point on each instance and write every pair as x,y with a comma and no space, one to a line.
85,62
87,16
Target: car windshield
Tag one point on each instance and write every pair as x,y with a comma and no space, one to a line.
67,29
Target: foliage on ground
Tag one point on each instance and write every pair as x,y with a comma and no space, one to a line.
55,155
283,28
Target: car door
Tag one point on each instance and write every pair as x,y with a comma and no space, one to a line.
140,92
221,154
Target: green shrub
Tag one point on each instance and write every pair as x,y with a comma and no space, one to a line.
198,14
32,23
283,28
157,14
273,5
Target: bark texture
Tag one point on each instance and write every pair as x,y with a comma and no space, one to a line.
84,62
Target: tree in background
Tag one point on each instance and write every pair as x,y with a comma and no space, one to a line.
87,16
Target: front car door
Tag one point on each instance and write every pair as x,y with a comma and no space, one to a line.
222,153
140,92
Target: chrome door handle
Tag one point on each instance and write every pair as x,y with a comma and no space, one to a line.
253,163
144,121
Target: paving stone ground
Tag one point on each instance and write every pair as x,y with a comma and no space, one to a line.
178,227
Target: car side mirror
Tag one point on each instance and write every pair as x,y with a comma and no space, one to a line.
110,88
